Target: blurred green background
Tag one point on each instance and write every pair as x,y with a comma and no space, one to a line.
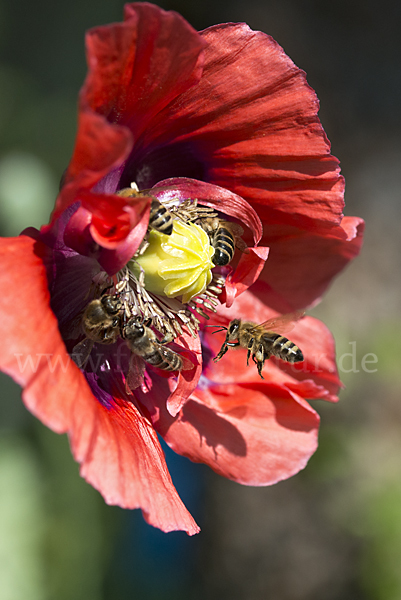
334,531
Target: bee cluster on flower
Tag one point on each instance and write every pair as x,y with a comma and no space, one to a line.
164,286
220,133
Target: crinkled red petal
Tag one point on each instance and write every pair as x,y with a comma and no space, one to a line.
138,67
255,434
135,69
315,377
302,264
117,448
211,195
252,122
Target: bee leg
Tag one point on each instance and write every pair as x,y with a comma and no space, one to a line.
224,349
250,346
222,352
108,334
260,365
262,355
169,337
106,289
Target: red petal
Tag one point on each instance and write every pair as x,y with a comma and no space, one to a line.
122,458
256,434
112,260
100,146
84,232
252,122
113,217
117,447
77,233
32,351
187,379
138,67
302,264
246,273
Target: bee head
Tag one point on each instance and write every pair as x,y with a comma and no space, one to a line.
233,328
134,329
112,304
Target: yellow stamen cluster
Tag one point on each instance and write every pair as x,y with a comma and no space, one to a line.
178,264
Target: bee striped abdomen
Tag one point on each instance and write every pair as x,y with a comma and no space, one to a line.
160,218
283,348
157,359
224,247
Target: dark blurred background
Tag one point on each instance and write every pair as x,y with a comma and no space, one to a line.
333,532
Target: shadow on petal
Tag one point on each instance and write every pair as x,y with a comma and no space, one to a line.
213,429
290,410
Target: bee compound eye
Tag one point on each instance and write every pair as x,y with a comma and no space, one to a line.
112,304
233,327
107,302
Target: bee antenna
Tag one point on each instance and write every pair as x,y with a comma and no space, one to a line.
222,328
109,287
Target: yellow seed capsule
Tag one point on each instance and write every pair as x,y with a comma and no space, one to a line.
178,264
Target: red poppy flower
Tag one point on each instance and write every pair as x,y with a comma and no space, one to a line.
225,118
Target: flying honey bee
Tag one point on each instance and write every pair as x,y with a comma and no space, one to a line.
146,348
224,237
261,341
100,323
160,218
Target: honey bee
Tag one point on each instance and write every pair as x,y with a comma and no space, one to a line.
100,323
261,341
160,218
146,348
224,237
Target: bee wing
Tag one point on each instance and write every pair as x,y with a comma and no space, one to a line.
235,229
186,363
72,330
241,245
136,371
80,352
282,323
